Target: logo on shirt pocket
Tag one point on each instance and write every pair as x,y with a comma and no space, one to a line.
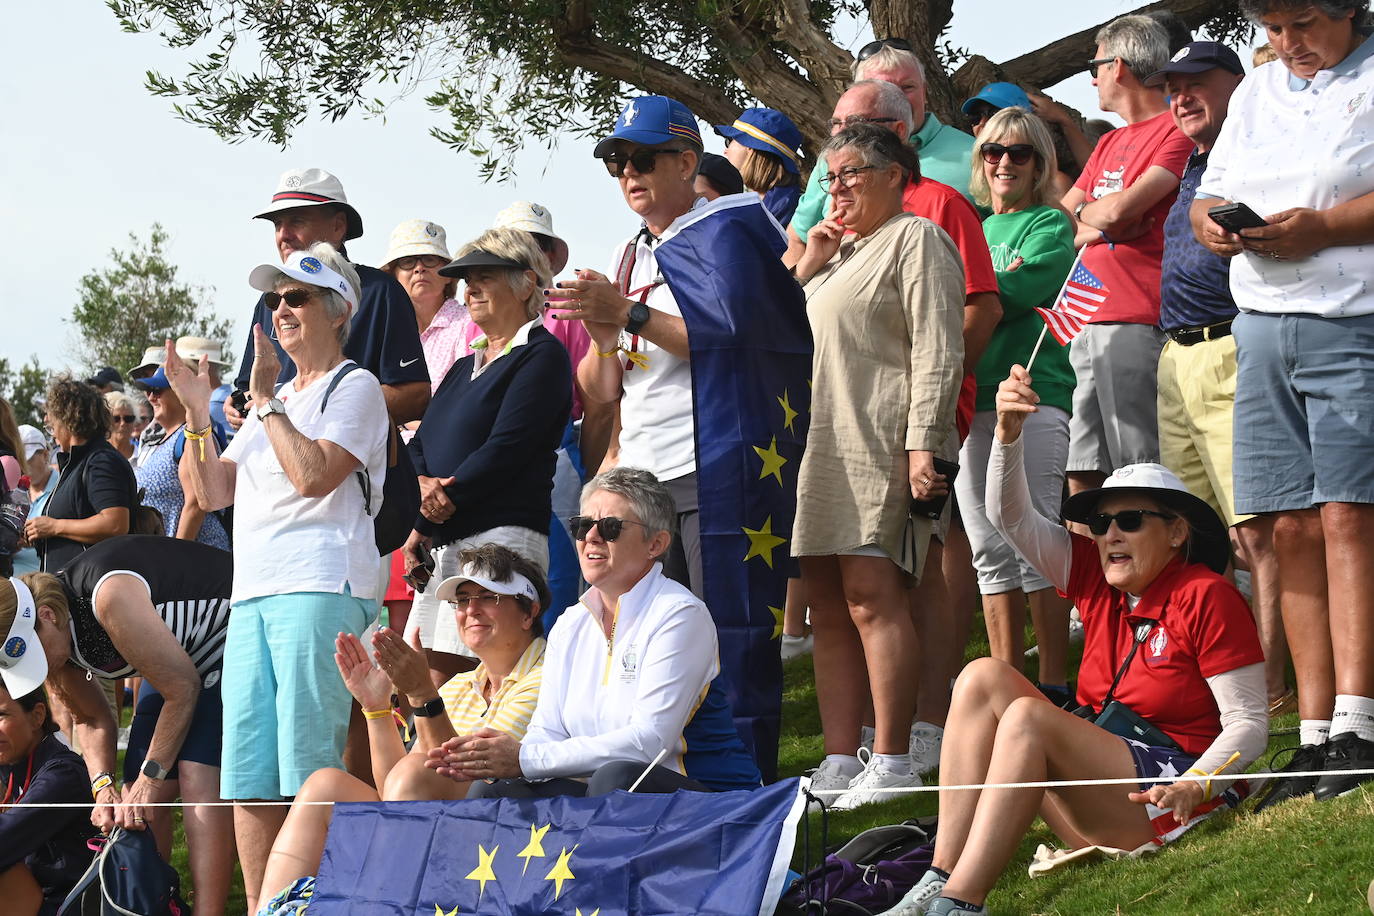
629,665
1158,647
1355,102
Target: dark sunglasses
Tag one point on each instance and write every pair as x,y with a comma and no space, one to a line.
1020,153
293,297
609,526
1127,520
873,47
1097,62
644,160
124,418
431,261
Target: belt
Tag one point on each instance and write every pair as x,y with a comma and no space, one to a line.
1189,336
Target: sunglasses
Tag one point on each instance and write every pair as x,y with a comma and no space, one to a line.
431,261
1127,520
644,160
1020,153
124,418
608,526
873,47
1098,62
293,297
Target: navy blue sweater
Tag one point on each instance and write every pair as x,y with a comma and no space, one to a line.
497,435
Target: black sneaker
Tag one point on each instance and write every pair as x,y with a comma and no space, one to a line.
1347,751
1306,757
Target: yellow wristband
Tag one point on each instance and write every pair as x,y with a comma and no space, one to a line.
100,783
377,713
609,353
199,438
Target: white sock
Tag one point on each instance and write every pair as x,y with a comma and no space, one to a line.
1243,583
1313,731
1353,714
847,763
893,763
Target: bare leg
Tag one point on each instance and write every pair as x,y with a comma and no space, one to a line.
1349,529
209,837
1005,618
1256,539
794,609
160,819
255,830
1050,614
961,581
411,780
933,617
299,844
875,590
20,891
1300,549
838,656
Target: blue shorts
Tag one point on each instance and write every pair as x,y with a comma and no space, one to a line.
285,705
202,743
1304,415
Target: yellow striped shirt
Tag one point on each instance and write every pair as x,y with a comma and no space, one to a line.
511,706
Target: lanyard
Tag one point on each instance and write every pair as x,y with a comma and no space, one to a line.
1142,633
622,281
23,786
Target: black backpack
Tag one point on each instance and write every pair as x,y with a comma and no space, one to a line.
127,878
400,492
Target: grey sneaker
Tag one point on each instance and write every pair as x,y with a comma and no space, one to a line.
919,897
943,906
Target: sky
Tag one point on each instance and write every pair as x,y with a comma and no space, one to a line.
89,156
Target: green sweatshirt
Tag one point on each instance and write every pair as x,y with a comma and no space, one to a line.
1042,239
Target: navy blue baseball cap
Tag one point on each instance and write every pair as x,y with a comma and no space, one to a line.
1198,57
651,120
766,130
999,96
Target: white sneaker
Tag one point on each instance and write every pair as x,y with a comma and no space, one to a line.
919,897
873,785
794,646
833,776
925,747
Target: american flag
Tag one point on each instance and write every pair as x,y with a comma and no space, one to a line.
1082,295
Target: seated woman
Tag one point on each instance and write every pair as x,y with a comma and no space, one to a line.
497,599
659,641
43,851
1164,635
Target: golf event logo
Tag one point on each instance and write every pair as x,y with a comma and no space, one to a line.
15,647
311,266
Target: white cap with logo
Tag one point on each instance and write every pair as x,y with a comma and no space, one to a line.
23,663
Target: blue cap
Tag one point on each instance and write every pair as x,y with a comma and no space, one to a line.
650,120
156,381
766,130
999,96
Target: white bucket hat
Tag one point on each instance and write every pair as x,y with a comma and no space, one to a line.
307,269
153,357
535,218
417,237
312,188
191,349
23,662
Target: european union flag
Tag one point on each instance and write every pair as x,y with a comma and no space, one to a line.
751,365
722,854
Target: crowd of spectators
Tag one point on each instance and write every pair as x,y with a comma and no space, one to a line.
215,545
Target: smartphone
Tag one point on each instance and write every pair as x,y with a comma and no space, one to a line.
1235,217
933,507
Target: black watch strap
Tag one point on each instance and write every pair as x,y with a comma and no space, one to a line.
434,707
639,316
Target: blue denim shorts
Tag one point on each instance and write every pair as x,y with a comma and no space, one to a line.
1304,416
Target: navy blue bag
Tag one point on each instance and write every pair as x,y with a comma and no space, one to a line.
127,878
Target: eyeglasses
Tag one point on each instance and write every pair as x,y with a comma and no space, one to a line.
431,261
873,47
1020,153
644,160
1097,62
608,526
836,123
293,297
846,177
1127,520
486,601
124,418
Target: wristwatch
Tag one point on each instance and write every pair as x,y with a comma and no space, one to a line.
1078,210
434,707
273,405
639,316
153,770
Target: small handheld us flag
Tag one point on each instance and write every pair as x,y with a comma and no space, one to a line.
1079,298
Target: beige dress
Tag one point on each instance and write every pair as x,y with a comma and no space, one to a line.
887,314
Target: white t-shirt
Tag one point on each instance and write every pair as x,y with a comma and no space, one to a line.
285,542
657,429
1289,143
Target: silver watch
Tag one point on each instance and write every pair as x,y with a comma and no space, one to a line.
153,770
273,405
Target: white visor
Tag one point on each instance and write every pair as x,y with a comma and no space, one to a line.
23,663
515,585
301,266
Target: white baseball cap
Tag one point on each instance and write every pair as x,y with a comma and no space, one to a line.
417,237
535,218
33,439
515,585
23,663
301,265
312,188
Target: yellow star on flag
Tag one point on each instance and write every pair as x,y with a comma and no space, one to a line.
788,414
772,461
777,621
762,542
560,871
439,912
594,912
483,872
535,847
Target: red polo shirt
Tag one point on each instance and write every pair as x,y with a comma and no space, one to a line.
1201,627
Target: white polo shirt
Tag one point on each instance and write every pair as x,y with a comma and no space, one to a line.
657,428
1294,143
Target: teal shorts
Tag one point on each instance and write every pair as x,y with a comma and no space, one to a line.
285,705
